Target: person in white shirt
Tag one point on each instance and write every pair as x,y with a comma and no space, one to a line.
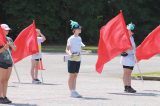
36,58
73,49
128,62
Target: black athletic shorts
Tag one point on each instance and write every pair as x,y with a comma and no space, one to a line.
73,66
5,65
128,67
38,59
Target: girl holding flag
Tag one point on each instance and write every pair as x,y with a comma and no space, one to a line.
73,49
36,58
5,65
128,62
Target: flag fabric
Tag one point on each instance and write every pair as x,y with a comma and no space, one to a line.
150,46
26,43
114,39
3,40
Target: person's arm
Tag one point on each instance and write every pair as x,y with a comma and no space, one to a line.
82,44
43,37
4,48
68,50
11,44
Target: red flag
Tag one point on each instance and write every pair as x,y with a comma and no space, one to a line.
26,43
150,46
3,40
114,39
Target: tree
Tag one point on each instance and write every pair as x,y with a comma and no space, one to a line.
52,16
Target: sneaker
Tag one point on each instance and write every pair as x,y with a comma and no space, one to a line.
2,100
6,100
75,95
36,81
129,89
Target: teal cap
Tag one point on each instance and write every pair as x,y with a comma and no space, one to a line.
131,26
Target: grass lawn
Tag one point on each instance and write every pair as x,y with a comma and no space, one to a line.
53,48
61,48
152,74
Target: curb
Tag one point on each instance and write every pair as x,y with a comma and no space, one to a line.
146,78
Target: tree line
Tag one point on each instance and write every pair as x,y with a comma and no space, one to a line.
52,16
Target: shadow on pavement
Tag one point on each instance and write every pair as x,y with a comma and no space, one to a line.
153,91
36,84
21,104
94,98
136,94
13,86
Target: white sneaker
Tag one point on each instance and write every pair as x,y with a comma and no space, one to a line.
75,94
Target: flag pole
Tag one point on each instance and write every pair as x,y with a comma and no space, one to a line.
14,67
41,72
135,58
41,67
42,76
140,72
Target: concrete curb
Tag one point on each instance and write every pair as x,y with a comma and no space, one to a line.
152,78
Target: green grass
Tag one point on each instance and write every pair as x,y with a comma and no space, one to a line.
91,48
53,48
61,48
153,74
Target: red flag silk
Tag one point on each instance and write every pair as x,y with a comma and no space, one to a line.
3,40
26,43
150,46
114,39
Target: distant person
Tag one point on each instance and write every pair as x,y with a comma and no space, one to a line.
6,64
73,49
128,62
36,58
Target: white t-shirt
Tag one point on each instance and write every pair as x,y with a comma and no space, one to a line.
38,55
75,43
129,60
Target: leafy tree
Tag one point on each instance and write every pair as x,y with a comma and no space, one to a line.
52,16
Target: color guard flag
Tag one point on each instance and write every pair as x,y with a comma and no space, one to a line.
150,46
26,43
3,40
114,39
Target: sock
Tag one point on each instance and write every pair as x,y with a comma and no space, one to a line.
72,91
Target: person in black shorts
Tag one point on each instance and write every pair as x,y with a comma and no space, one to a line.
73,49
36,58
5,64
128,62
